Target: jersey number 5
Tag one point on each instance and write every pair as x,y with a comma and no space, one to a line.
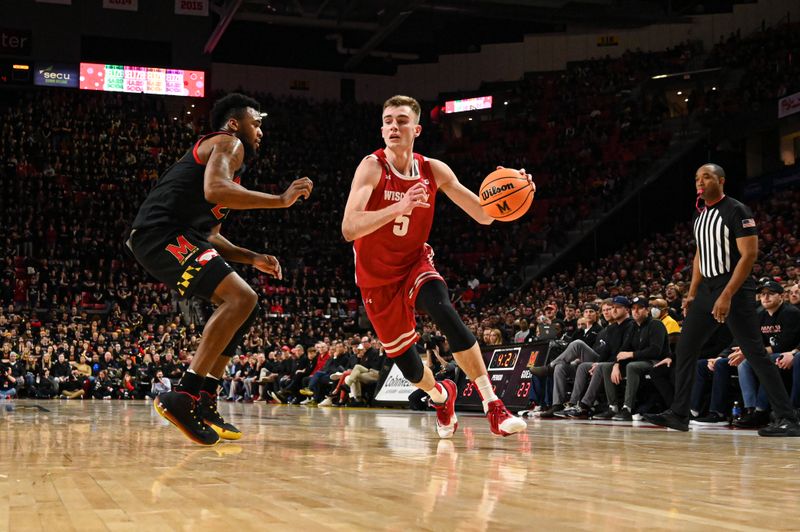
401,225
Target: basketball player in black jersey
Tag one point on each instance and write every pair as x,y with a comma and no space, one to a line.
176,237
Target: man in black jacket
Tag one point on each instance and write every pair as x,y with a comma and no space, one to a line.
647,345
587,379
61,371
565,365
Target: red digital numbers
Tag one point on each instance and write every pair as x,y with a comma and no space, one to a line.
470,388
523,389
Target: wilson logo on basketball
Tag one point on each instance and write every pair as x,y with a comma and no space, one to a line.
493,191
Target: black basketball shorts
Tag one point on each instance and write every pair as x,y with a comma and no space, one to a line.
183,259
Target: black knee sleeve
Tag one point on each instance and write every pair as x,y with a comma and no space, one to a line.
434,301
230,349
410,365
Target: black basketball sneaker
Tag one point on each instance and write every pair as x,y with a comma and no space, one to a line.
183,410
212,418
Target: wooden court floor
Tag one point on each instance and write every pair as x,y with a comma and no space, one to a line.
112,465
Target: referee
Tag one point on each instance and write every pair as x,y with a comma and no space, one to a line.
723,292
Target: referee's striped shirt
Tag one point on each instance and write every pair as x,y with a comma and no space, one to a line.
716,229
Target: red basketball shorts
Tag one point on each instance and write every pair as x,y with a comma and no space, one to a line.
390,308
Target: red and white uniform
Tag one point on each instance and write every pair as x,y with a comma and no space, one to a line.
393,262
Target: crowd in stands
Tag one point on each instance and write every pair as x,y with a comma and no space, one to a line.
78,317
766,62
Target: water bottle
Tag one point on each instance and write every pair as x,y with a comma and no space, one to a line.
736,413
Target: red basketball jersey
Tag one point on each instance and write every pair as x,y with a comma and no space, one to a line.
389,254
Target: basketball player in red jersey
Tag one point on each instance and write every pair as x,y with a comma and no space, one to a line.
176,237
388,216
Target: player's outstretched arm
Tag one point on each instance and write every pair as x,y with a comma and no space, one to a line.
227,155
467,200
358,222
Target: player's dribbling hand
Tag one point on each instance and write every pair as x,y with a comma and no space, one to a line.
417,196
524,174
268,264
300,188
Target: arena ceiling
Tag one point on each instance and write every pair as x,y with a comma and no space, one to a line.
377,35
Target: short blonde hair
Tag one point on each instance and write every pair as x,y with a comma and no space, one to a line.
399,100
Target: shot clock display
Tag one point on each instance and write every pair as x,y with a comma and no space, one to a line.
509,373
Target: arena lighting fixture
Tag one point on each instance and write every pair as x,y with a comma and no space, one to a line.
713,88
262,114
21,67
687,75
686,99
680,92
505,103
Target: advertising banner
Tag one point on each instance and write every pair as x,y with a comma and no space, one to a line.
789,105
149,80
15,42
56,75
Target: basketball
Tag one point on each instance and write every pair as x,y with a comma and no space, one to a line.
505,195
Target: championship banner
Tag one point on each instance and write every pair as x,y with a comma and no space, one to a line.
125,5
789,105
396,388
191,7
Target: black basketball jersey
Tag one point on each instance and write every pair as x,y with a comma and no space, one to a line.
716,229
178,199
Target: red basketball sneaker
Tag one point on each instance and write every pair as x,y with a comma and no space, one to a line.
501,421
446,420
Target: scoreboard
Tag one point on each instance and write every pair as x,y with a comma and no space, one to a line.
509,373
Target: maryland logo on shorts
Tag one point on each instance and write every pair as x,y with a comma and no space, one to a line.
182,250
191,272
186,278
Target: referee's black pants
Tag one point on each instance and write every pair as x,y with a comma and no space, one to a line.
744,325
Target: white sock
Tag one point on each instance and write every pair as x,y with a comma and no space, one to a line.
486,391
438,393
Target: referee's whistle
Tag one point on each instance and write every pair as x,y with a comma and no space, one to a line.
699,198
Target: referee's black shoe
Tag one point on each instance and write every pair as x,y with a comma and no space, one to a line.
781,427
669,419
